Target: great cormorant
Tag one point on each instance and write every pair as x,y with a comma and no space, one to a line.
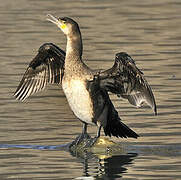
85,89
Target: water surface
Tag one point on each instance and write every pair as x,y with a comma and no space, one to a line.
31,133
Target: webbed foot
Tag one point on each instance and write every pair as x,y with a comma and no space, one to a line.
91,142
81,139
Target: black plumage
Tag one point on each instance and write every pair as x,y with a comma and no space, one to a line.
46,67
127,81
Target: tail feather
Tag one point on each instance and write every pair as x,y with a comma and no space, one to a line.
115,127
119,129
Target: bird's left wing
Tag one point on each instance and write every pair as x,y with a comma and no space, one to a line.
127,81
46,67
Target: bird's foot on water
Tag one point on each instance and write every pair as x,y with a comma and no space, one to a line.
91,142
81,139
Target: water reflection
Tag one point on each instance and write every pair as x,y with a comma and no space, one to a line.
105,160
128,161
105,168
94,165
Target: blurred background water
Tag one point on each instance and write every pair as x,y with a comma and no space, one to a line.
31,132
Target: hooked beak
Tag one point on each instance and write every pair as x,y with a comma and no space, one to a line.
54,20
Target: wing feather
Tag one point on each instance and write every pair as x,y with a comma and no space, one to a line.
46,67
127,81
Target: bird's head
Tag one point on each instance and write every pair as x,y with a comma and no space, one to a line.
67,25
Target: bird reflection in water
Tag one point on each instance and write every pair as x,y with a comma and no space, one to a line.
106,160
111,168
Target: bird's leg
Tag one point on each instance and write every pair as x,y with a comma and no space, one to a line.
98,132
83,136
93,140
84,128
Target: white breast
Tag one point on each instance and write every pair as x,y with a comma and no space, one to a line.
79,99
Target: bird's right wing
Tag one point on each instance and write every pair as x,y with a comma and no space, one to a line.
127,81
46,67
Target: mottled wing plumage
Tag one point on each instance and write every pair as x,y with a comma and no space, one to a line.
127,81
46,67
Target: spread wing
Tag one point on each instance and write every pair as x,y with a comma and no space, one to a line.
127,81
46,67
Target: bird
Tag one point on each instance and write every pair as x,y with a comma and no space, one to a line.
87,91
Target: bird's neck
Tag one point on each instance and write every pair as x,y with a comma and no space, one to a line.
73,50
